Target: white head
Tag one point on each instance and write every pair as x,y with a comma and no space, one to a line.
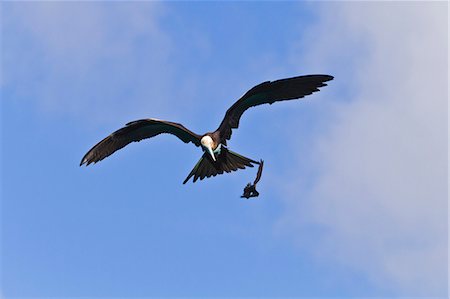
207,144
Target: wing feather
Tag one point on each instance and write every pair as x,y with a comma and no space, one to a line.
267,93
136,131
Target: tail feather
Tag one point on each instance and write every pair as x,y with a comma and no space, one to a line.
245,161
225,166
237,162
194,170
200,173
242,164
232,164
227,161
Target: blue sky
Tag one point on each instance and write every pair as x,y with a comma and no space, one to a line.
353,204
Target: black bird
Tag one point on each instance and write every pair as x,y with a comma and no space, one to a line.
250,189
216,158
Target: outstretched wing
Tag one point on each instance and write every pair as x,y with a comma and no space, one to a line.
136,131
268,93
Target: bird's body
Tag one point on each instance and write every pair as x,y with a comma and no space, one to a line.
250,189
217,158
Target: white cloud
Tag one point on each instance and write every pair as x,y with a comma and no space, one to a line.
377,202
95,60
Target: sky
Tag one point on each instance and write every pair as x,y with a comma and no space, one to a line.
353,197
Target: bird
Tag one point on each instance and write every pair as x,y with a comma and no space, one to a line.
216,158
250,189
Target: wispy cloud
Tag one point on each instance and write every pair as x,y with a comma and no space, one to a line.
102,60
376,198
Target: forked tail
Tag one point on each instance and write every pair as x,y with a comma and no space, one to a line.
227,161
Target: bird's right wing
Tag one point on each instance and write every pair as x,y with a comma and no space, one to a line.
136,131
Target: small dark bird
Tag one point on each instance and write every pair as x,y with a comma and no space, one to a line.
250,189
216,158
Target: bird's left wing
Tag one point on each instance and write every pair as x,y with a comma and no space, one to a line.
136,131
268,93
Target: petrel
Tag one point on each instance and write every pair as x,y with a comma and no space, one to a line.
216,158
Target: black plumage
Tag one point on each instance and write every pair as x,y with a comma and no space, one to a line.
227,161
250,189
217,158
136,131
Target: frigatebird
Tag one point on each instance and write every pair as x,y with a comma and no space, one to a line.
216,158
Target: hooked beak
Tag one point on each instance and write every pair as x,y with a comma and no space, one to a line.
211,153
